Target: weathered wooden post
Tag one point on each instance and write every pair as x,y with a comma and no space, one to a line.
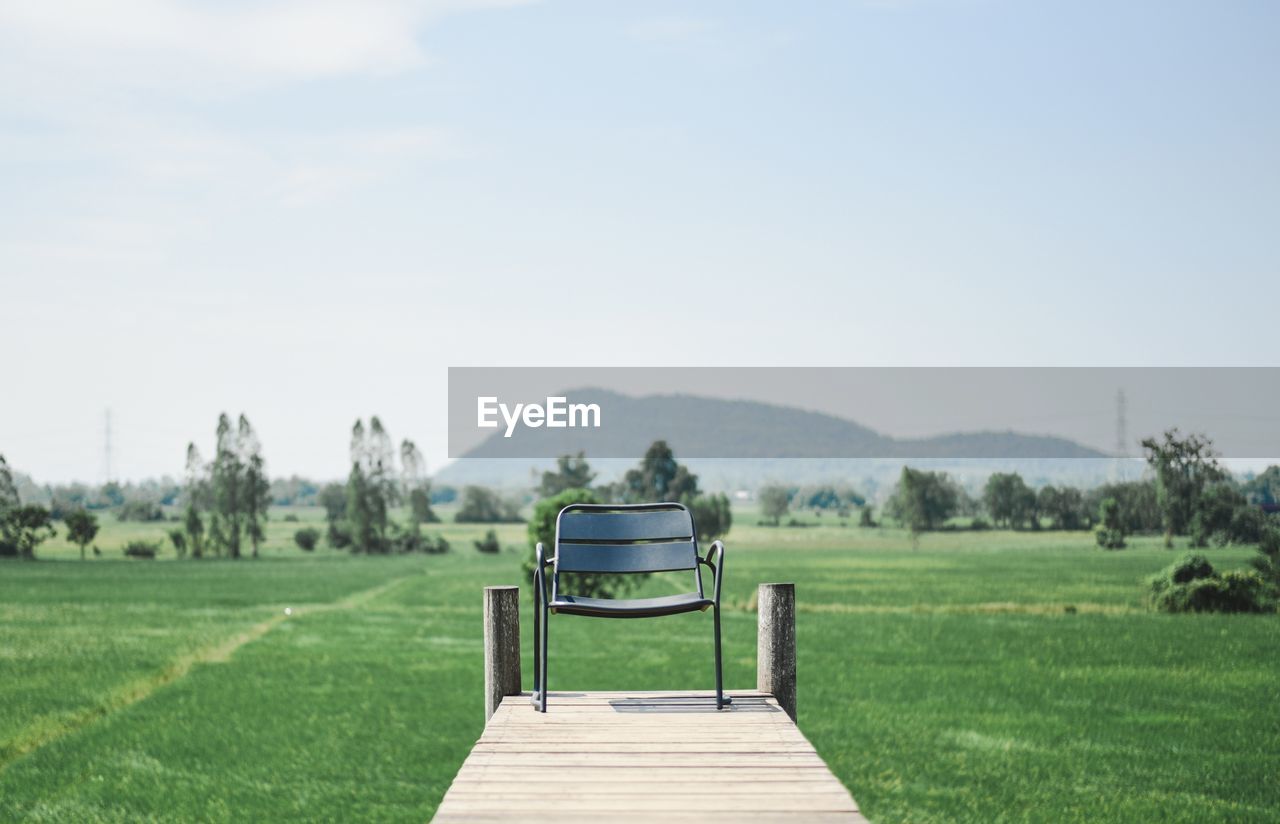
501,646
776,644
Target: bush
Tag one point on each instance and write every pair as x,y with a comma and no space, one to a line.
141,549
1109,533
489,544
290,518
307,538
979,525
413,539
542,529
1192,585
139,511
866,516
1190,568
339,536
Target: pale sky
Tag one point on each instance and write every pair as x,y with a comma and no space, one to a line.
306,211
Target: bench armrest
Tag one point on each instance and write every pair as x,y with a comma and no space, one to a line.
539,566
717,567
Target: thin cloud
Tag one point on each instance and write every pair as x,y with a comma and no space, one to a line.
152,42
669,29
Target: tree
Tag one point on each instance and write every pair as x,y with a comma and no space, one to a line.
1264,488
659,478
826,496
572,472
82,528
1267,562
197,495
1183,467
359,518
380,478
1139,510
484,506
333,497
8,489
416,488
1009,501
111,494
23,528
228,490
371,487
923,500
1064,505
774,501
1215,515
257,487
179,540
712,516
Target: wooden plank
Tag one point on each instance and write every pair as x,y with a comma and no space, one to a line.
637,756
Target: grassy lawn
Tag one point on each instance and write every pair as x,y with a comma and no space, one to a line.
976,676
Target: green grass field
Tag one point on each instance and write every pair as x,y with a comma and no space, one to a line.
978,677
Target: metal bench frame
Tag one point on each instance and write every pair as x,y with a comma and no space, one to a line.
623,539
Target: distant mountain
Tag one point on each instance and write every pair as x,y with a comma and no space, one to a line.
748,433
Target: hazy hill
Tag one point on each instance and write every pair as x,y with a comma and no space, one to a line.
744,442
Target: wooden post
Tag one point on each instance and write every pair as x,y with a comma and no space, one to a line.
501,646
776,644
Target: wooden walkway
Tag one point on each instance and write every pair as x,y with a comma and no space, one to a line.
645,756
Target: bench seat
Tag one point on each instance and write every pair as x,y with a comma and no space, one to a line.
630,608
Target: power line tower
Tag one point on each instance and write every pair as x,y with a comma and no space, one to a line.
106,446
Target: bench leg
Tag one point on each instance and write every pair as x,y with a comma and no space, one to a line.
720,699
537,638
542,653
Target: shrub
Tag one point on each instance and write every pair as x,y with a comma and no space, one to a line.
413,539
542,529
290,518
339,536
1110,530
489,544
1192,585
1190,568
866,516
979,524
307,538
141,549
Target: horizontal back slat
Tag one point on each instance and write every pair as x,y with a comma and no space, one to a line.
663,557
650,525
